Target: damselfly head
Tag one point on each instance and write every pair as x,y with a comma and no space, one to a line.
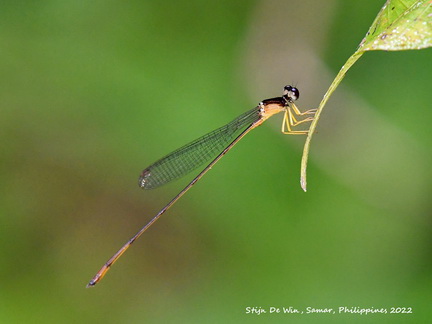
291,93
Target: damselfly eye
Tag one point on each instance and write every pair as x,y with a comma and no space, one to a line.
292,93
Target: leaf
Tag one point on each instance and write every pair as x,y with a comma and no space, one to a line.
400,25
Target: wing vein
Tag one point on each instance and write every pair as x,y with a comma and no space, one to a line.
194,154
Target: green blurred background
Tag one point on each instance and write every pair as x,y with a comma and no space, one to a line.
93,92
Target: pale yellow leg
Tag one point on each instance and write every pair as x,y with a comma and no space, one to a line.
299,113
290,120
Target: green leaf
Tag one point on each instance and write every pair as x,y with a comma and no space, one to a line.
400,25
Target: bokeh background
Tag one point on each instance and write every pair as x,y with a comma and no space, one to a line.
93,92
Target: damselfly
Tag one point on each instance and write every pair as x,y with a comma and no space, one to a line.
216,143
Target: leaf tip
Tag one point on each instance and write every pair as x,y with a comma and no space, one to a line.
303,183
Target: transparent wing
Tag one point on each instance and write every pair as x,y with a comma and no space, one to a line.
189,157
